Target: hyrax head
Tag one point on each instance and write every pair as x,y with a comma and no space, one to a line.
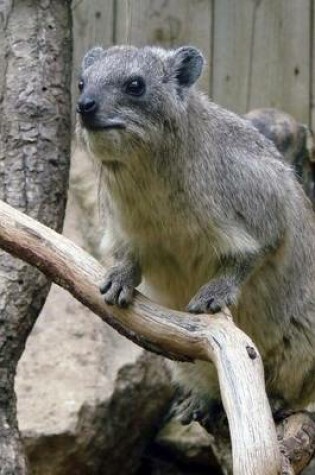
128,95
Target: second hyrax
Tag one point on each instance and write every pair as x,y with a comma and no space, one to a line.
203,210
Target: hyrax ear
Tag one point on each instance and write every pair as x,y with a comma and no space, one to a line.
91,56
187,63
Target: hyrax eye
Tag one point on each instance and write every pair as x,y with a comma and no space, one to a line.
81,85
135,87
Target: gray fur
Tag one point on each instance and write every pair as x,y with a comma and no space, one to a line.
204,205
92,56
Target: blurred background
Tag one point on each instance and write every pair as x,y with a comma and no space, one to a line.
89,401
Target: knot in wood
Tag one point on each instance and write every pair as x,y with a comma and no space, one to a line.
252,353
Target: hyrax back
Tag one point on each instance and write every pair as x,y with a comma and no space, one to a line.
202,209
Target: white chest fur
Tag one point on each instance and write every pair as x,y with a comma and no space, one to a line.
178,250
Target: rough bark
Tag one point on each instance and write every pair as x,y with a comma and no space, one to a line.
297,435
35,69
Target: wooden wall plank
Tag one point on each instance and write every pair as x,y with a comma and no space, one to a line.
281,57
233,23
167,23
93,24
262,55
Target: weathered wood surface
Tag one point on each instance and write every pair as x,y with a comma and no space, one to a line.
93,24
232,36
173,334
259,53
282,57
297,434
35,69
262,55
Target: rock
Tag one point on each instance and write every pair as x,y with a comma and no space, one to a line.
89,400
81,418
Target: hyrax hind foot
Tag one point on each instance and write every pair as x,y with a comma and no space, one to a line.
120,283
214,296
209,414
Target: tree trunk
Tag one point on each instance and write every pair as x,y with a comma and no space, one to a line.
35,70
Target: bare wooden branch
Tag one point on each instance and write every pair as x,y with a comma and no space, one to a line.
174,334
180,336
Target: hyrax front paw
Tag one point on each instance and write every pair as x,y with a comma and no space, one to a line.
213,296
120,283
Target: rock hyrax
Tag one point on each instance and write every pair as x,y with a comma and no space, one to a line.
202,210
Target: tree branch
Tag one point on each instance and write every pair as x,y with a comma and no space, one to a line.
174,334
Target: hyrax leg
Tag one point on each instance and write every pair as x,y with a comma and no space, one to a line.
120,282
223,290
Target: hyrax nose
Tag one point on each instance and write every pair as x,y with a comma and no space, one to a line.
86,106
